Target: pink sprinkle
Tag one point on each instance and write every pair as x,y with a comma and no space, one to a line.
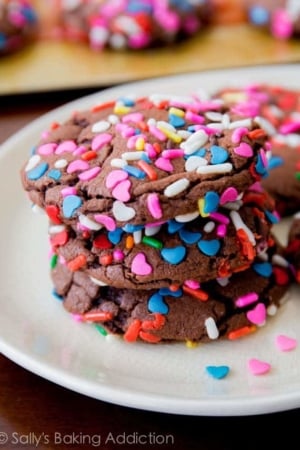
164,164
118,255
238,133
122,191
194,118
281,26
155,224
258,367
153,206
257,315
140,266
219,218
221,230
133,117
100,141
77,317
77,166
157,133
291,127
285,343
263,157
79,150
65,147
173,153
47,149
68,191
193,284
149,149
115,177
168,20
132,140
229,195
256,187
139,41
125,130
246,299
244,149
89,174
105,220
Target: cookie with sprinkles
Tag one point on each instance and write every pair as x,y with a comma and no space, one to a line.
143,160
280,17
132,24
292,251
227,308
221,241
279,110
18,24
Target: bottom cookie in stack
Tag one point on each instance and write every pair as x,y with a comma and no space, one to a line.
292,250
226,308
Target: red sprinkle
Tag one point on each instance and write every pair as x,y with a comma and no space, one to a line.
100,316
77,263
240,332
102,106
156,324
59,239
106,260
91,154
132,331
102,242
196,293
52,212
149,337
281,276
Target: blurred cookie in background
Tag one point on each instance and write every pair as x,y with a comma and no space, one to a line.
228,12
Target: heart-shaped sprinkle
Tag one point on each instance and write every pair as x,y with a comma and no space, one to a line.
77,166
156,304
285,343
55,174
65,146
174,226
189,237
115,236
140,266
105,220
122,212
264,269
52,212
164,164
166,291
258,367
218,154
176,121
121,191
229,195
37,172
257,315
217,372
70,204
174,255
115,177
244,149
211,202
209,248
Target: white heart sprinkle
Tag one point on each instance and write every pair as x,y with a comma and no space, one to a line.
122,212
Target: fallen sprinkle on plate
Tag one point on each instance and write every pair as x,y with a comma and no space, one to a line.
285,343
258,367
217,372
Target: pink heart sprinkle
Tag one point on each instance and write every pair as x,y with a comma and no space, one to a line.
244,150
121,191
285,343
229,195
139,265
258,367
257,315
115,177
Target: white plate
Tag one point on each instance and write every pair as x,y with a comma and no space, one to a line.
39,335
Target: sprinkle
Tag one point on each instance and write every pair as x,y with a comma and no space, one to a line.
211,202
77,166
194,142
156,304
70,204
140,266
191,344
89,155
164,164
209,247
68,191
105,260
129,242
199,294
59,239
98,316
285,343
240,332
134,171
246,299
88,223
132,332
258,367
55,174
101,330
215,169
77,263
189,237
177,187
60,163
89,174
122,212
33,162
152,242
115,177
153,206
244,150
98,282
53,262
118,255
149,337
65,147
257,315
122,191
188,217
101,126
100,141
102,242
218,154
217,372
150,172
193,162
264,269
105,220
47,149
239,224
37,172
229,195
53,212
174,255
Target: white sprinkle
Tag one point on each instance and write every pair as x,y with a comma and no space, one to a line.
132,156
215,168
137,236
263,256
183,218
209,226
184,134
272,310
194,142
165,126
113,119
37,209
101,126
128,25
98,35
60,163
117,41
118,163
240,123
214,116
122,212
216,126
265,125
32,162
88,223
234,206
223,281
193,162
279,261
177,187
54,229
297,215
226,121
151,231
211,328
98,282
239,224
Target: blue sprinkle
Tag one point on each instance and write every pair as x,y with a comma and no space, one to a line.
134,171
201,152
167,291
129,228
259,15
275,161
127,101
264,269
33,150
156,304
55,174
209,248
145,157
37,172
56,295
217,372
137,131
115,236
211,202
271,217
218,154
3,41
70,204
174,226
174,255
176,121
260,168
138,6
189,237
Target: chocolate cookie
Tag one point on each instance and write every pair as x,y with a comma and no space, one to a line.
280,17
279,109
143,161
292,251
132,24
18,24
221,242
228,308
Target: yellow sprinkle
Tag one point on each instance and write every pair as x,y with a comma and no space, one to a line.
191,344
234,97
177,112
140,144
173,136
120,109
201,208
129,242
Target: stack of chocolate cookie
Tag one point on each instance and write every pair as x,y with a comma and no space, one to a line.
159,227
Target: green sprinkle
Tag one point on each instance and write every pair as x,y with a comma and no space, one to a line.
53,261
152,242
101,329
297,176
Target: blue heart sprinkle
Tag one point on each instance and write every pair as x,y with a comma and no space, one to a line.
37,172
176,121
264,269
211,202
55,174
156,304
115,236
70,204
217,372
189,237
167,291
173,255
218,154
174,226
275,161
209,248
